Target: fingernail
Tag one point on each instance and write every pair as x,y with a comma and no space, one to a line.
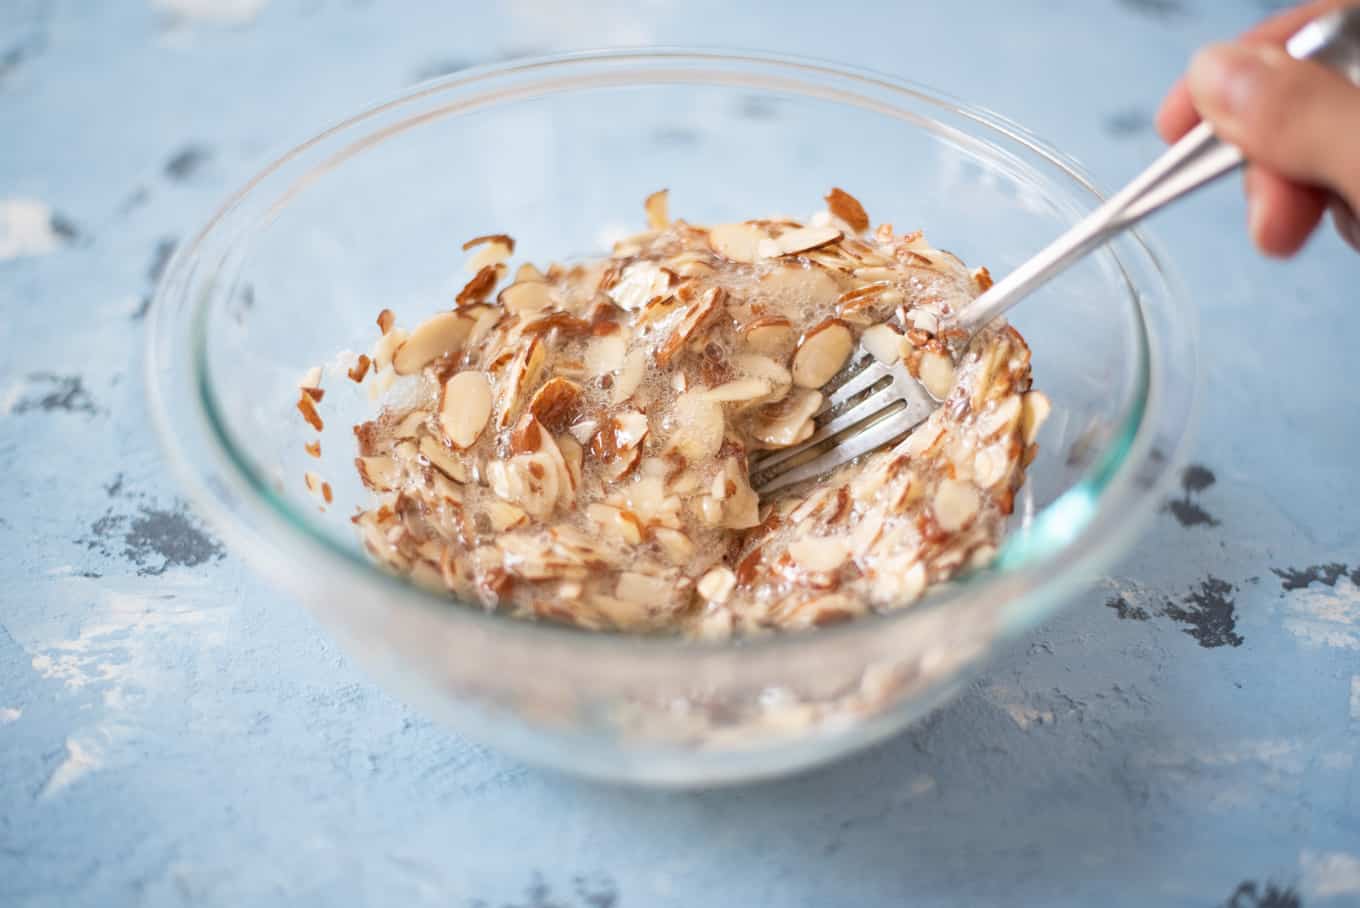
1223,77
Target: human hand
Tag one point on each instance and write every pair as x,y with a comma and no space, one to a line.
1297,122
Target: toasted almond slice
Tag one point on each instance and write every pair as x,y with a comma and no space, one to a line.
805,239
386,347
736,242
557,404
846,207
503,515
385,320
866,532
357,372
622,464
604,355
1036,410
883,343
639,283
573,455
526,296
717,585
584,430
695,317
698,426
527,436
500,238
442,459
924,320
535,483
675,544
990,465
620,524
788,422
464,407
630,427
379,473
306,405
657,217
770,335
820,555
821,353
1002,416
630,376
493,251
754,365
794,285
983,278
922,439
955,504
937,374
643,589
486,319
741,390
522,375
311,380
529,272
437,336
481,285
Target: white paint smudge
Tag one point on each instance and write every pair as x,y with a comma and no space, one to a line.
26,229
1355,697
10,714
126,656
1330,873
216,12
1325,616
81,759
922,784
10,398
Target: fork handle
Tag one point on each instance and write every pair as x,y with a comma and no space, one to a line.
1196,160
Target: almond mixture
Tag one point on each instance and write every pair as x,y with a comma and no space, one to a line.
575,446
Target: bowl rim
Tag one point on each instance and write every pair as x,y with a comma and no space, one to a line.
1066,566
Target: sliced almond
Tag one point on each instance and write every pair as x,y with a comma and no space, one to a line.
797,286
557,404
955,504
698,426
387,346
643,589
503,516
1035,411
937,374
526,296
820,555
922,439
491,250
385,320
437,336
442,459
527,436
821,353
754,365
770,335
924,320
655,204
676,545
846,207
604,355
523,373
464,408
983,278
379,473
788,422
741,390
573,455
486,318
640,283
736,242
357,372
630,376
1002,416
805,239
717,585
883,343
704,307
311,380
481,285
630,427
529,272
990,465
620,524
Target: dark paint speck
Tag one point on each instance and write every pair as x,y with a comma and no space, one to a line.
1209,614
1326,574
184,163
1251,894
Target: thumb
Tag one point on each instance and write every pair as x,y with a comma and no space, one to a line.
1296,117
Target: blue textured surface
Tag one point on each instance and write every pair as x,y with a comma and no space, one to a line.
172,733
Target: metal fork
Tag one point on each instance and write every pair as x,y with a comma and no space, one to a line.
870,405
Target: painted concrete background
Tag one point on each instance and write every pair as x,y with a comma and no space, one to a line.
173,733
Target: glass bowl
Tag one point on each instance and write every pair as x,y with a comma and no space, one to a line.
560,153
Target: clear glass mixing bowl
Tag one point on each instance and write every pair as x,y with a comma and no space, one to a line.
560,153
